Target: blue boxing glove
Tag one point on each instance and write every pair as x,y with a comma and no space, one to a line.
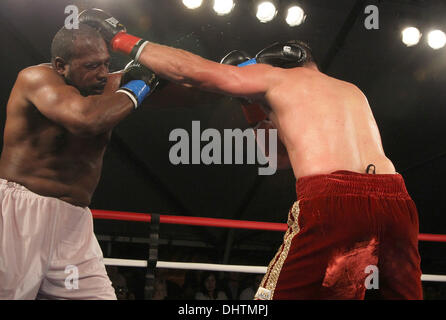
137,82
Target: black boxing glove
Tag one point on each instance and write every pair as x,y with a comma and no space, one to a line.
113,32
253,112
235,58
284,55
105,24
137,82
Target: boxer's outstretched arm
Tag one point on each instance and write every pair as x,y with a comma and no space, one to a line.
64,104
188,69
184,67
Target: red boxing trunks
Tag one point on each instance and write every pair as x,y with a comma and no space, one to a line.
348,232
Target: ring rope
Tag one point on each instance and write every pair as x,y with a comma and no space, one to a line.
215,222
220,267
223,223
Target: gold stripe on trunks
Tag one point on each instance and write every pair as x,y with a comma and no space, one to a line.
272,275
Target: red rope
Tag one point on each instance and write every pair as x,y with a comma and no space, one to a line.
192,221
214,222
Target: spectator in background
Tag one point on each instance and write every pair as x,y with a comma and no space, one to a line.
191,284
209,289
160,290
249,292
165,289
232,285
119,283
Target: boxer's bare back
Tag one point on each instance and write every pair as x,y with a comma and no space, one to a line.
326,124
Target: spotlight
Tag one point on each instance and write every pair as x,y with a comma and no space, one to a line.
192,4
411,36
266,11
295,16
222,7
436,39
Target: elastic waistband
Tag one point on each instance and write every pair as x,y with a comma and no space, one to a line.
14,185
17,188
351,183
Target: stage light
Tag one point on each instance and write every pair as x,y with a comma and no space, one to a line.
266,11
192,4
295,16
436,39
411,36
223,7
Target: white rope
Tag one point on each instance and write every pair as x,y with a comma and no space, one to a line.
186,266
220,267
433,277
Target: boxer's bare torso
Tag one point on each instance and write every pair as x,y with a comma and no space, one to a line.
48,159
326,124
43,155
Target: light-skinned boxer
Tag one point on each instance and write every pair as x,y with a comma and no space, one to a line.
353,215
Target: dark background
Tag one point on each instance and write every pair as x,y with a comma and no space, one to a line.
405,88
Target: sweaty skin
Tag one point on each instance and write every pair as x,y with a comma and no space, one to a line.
325,124
57,129
55,137
47,156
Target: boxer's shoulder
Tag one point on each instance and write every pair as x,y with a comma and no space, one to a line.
304,76
38,73
341,86
43,68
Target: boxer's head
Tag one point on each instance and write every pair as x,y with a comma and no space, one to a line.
309,61
82,58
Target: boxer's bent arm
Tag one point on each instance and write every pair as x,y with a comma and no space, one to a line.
64,104
188,69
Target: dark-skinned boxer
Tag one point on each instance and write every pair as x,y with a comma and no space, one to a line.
59,120
353,213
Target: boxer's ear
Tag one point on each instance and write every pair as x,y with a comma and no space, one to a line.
60,65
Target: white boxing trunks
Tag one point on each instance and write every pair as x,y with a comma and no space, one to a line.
48,249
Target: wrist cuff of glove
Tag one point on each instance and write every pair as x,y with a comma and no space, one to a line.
247,63
254,113
128,44
136,90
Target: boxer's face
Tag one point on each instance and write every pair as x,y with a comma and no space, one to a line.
88,69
